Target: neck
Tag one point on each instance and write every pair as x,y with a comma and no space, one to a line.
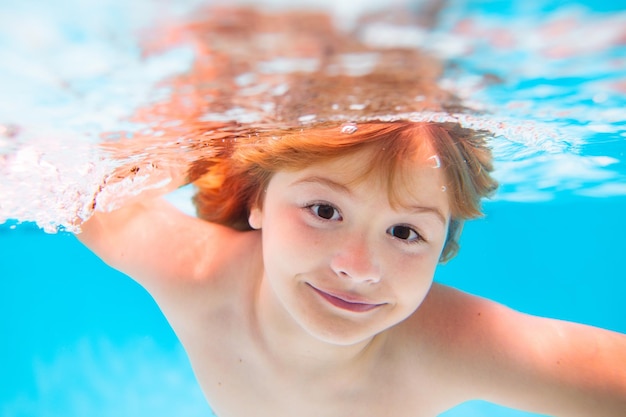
288,344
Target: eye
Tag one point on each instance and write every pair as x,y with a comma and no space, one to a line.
405,233
325,211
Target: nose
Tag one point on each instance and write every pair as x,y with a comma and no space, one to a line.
355,259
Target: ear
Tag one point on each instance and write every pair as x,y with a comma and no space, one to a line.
254,218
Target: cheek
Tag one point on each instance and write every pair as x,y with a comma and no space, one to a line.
287,241
413,279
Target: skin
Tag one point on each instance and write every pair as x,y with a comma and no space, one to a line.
329,307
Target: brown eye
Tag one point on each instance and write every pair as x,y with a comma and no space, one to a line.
325,211
404,233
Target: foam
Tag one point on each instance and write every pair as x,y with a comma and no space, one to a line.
547,85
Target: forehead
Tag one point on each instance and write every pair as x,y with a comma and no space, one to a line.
405,181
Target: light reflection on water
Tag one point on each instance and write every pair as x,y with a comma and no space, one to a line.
545,80
548,80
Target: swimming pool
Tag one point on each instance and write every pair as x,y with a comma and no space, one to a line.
83,340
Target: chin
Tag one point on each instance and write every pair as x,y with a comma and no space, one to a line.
344,340
343,333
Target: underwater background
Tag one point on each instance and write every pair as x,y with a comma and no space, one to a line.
80,339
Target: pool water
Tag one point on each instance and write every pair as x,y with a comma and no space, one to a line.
84,340
80,339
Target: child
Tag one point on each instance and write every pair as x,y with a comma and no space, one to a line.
306,287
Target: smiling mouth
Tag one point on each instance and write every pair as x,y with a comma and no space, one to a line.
342,302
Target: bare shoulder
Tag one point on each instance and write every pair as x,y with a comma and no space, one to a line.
481,349
484,345
466,331
472,344
450,315
176,257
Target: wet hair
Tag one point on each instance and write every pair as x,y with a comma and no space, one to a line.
234,181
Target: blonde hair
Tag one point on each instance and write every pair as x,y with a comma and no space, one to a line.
233,181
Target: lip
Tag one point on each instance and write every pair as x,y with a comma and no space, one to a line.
346,301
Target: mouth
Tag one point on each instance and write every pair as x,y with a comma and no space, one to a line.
347,302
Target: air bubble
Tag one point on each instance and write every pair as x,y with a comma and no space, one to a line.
436,161
349,128
307,118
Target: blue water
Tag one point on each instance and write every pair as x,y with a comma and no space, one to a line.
83,340
78,339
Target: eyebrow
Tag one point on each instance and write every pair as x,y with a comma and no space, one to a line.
431,210
337,186
342,188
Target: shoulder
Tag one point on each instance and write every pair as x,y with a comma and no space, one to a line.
175,257
451,315
475,345
479,349
213,271
213,265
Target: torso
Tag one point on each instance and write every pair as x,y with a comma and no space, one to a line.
241,377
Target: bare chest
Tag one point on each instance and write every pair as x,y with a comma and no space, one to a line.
241,381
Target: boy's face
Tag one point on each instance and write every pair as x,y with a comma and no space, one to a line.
340,259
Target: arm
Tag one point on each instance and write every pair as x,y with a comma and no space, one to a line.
536,364
569,369
550,366
154,243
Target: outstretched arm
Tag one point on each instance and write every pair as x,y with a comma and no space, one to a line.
154,243
571,369
555,367
541,365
